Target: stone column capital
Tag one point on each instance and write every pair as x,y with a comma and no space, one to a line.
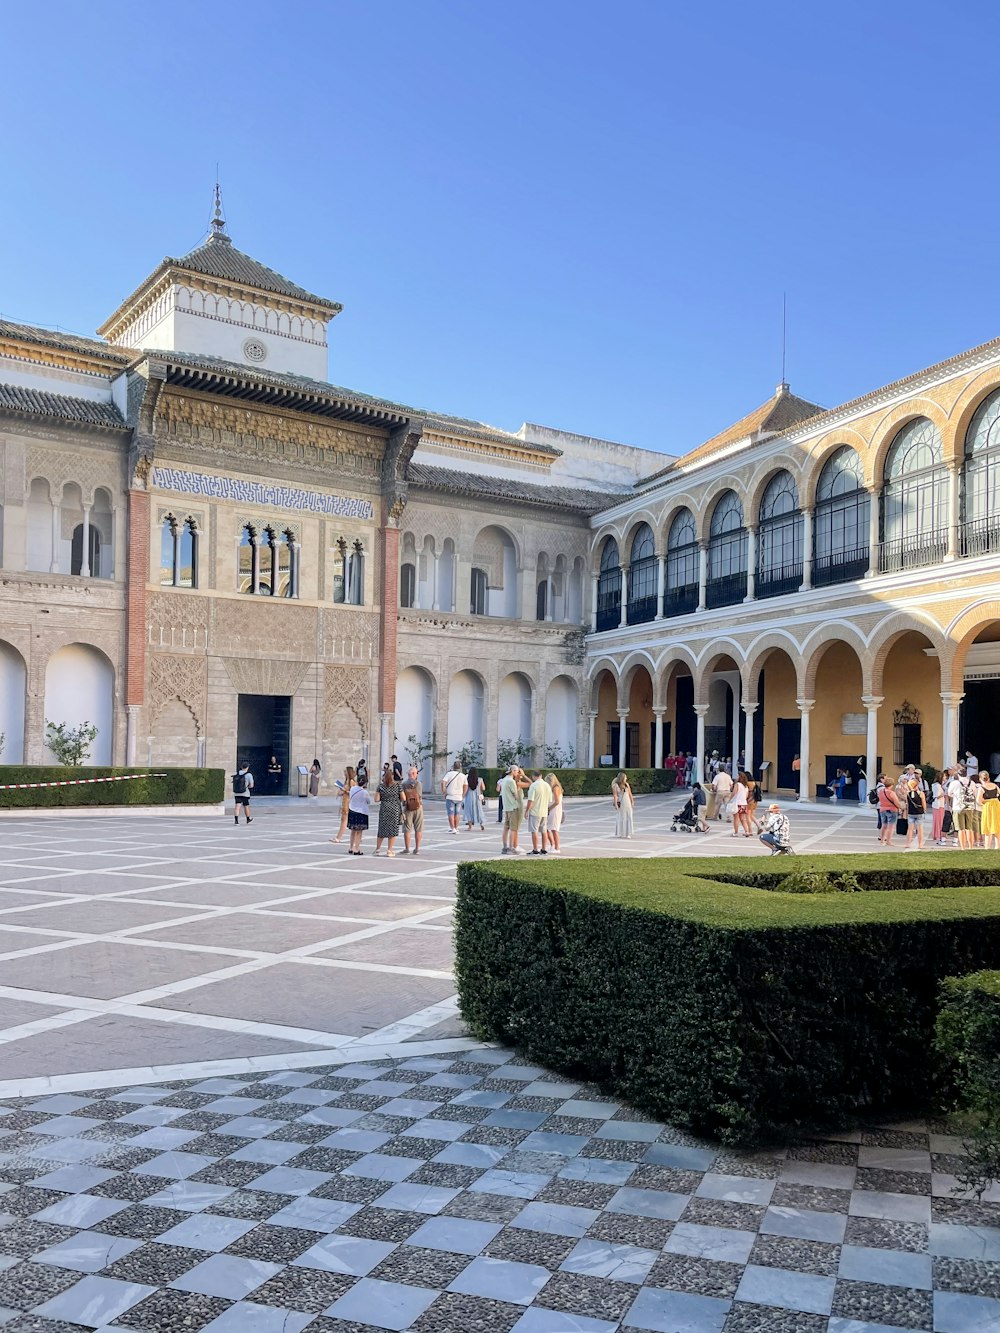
805,705
952,698
701,710
750,706
622,712
872,701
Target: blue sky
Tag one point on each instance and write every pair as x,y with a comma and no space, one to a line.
572,213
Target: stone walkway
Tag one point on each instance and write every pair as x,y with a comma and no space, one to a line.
234,1095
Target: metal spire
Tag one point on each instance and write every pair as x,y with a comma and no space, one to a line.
783,386
218,219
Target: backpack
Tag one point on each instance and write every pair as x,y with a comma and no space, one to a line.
968,796
873,797
239,784
411,798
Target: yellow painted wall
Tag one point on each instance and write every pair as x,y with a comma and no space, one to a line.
779,701
910,674
640,710
607,705
838,691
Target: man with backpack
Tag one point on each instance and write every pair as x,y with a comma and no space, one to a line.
242,787
413,812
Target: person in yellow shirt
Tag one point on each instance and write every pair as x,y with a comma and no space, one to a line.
538,800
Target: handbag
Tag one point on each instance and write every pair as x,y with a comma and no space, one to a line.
902,825
948,823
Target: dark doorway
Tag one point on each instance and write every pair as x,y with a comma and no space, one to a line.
263,729
631,742
687,722
93,554
789,740
979,723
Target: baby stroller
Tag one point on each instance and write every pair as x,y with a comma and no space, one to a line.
686,821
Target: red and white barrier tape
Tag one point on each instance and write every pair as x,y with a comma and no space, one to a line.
77,782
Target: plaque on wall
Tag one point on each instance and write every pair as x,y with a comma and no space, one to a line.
854,724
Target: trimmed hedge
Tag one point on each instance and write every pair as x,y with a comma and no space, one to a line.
722,1007
593,781
968,1041
180,786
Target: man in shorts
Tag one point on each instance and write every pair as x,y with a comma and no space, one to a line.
453,790
539,798
242,787
512,801
413,812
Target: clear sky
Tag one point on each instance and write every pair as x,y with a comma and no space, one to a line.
559,211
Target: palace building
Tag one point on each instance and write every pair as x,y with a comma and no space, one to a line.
208,549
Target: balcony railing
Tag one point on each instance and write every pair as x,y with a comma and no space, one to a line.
609,615
981,536
840,566
641,609
680,601
913,552
728,590
779,579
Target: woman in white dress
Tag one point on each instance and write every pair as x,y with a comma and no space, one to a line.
621,794
555,816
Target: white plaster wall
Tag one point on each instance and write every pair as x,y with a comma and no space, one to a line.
414,711
190,331
79,687
466,711
55,379
12,687
561,713
514,712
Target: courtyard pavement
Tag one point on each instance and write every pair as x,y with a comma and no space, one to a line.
235,1095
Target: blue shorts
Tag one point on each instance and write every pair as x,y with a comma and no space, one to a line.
453,807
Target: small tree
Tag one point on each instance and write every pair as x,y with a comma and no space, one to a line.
3,740
418,751
514,752
557,757
70,745
470,753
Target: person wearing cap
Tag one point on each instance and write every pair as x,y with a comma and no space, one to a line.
776,832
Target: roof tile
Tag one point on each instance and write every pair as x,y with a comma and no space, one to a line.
15,398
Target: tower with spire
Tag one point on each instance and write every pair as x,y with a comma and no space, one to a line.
216,301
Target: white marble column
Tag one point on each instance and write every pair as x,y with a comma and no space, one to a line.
661,584
296,571
56,538
751,565
622,734
85,570
435,600
591,756
702,575
594,582
131,732
954,510
549,597
700,712
807,550
872,704
658,746
255,559
749,709
623,611
874,551
805,707
951,702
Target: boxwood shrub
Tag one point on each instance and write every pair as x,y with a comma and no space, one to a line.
179,786
968,1041
594,781
728,1008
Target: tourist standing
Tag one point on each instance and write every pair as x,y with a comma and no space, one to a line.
357,816
389,812
345,801
989,816
937,809
964,795
556,812
512,801
971,765
700,803
397,767
621,795
472,802
537,802
722,790
889,809
738,807
362,771
453,790
916,808
242,787
315,774
413,812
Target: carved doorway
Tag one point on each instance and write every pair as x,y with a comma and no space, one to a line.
263,731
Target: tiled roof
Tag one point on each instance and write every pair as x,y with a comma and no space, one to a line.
502,488
17,399
64,342
219,258
779,413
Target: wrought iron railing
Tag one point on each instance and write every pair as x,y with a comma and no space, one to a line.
913,552
779,579
840,566
728,590
609,616
641,609
680,601
981,536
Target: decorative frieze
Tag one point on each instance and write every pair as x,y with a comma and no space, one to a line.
266,626
347,687
264,675
260,495
175,676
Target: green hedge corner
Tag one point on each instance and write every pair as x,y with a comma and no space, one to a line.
593,781
730,1008
968,1042
178,786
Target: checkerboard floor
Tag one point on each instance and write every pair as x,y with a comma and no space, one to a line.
444,1194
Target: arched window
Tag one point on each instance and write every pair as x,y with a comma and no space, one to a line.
541,598
642,576
779,539
914,499
407,584
840,524
178,553
609,587
681,594
727,553
981,480
477,599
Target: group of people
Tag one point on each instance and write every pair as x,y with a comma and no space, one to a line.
539,803
683,765
963,803
400,802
